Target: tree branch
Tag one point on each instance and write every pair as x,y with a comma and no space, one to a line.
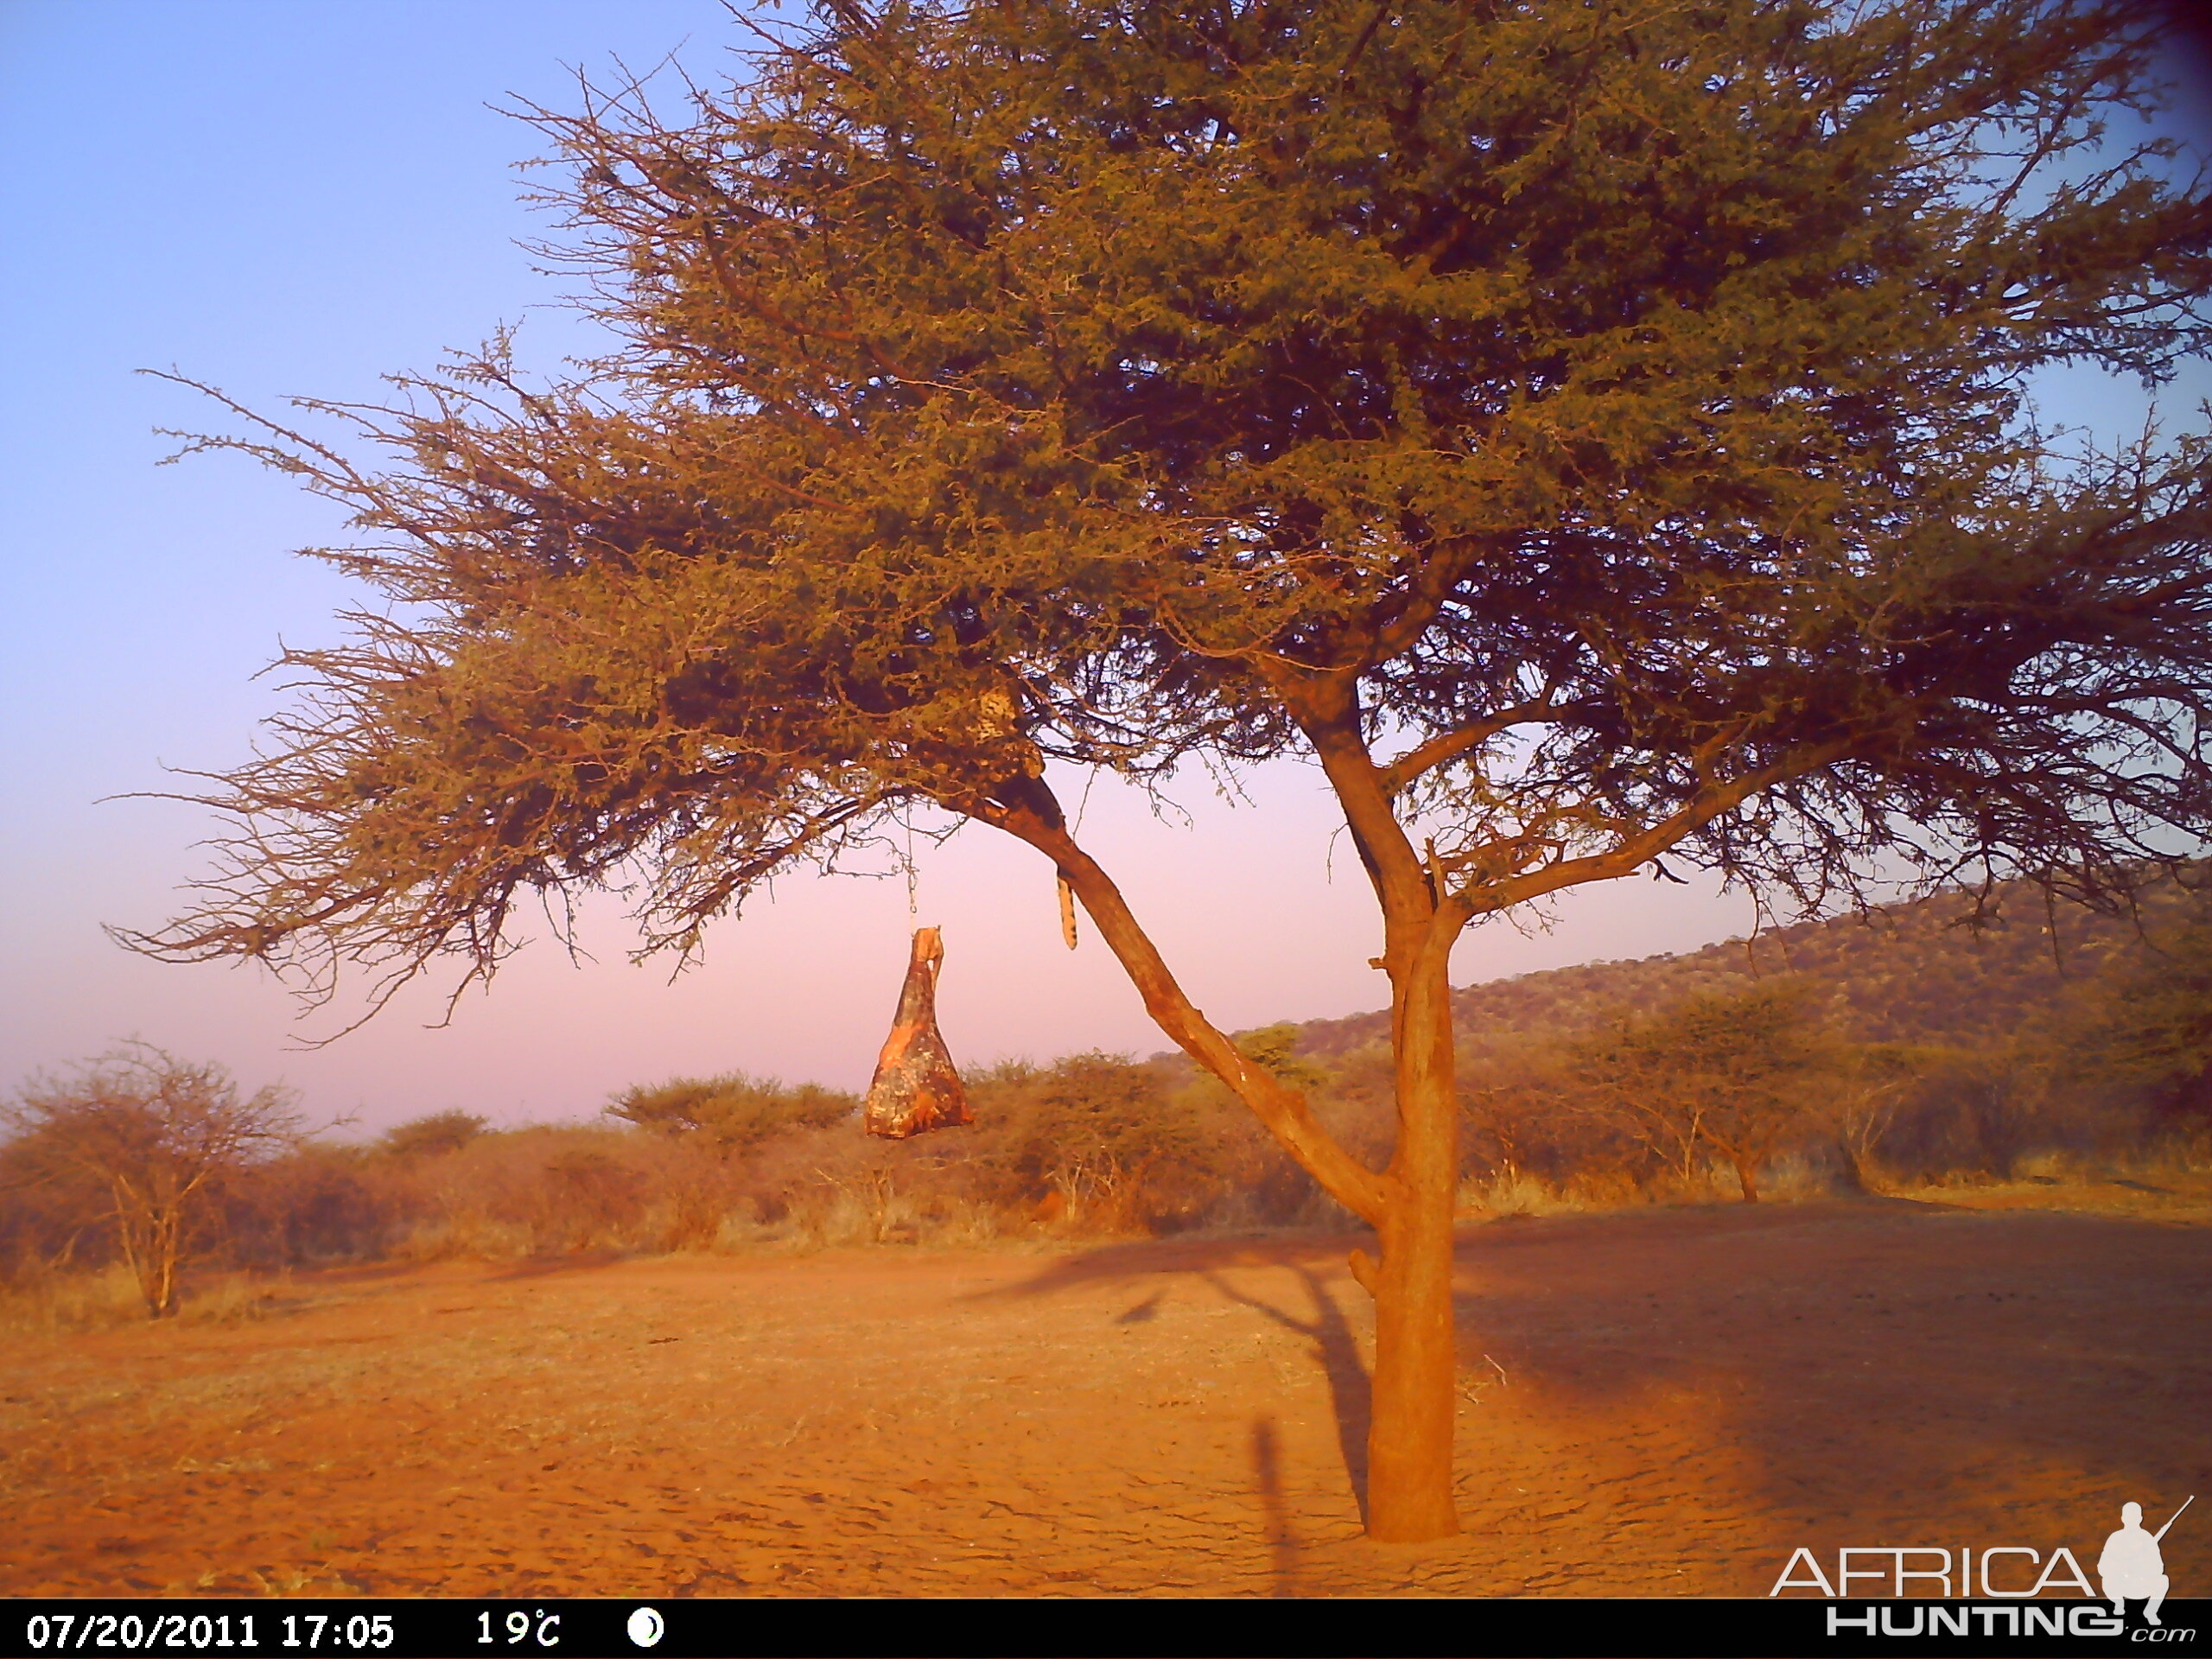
1642,848
1327,710
1284,1110
1449,745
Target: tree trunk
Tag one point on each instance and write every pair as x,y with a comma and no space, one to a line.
165,1247
1745,1168
1416,1361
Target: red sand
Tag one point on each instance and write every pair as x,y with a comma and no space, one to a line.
1662,1401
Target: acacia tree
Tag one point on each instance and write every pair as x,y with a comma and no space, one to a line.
1592,433
1098,1132
150,1138
733,1113
1724,1072
2151,1025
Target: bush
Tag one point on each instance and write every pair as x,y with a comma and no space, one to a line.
1102,1143
1636,1107
317,1203
539,1192
431,1136
732,1112
1718,1072
143,1146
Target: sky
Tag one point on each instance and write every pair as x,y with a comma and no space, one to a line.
289,200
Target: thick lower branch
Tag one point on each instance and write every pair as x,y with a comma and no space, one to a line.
1282,1109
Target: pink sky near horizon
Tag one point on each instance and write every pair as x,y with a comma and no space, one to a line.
803,984
291,199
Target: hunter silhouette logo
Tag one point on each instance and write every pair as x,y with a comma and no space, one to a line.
2131,1565
2129,1568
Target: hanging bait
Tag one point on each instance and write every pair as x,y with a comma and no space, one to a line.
916,1088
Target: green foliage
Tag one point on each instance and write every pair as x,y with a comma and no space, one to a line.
731,1113
1109,1137
1720,1045
1952,1048
1274,1050
319,1202
1720,1070
2053,1031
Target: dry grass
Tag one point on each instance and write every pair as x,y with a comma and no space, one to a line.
840,1216
1602,1191
49,1303
2174,1183
2175,1188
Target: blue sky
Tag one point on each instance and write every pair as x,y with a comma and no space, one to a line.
285,199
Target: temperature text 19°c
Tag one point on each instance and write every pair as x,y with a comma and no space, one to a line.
542,1628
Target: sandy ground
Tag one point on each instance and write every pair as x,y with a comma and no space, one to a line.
1664,1402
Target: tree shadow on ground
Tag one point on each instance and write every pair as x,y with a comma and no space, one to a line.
1138,1258
1336,1351
1267,1481
1864,1361
1880,1363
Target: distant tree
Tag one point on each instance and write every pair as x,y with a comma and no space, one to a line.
1868,1085
2151,1025
732,1112
1512,1094
1273,1049
432,1135
1100,1130
1731,1073
1592,436
153,1137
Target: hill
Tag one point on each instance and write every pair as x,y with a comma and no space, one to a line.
1925,972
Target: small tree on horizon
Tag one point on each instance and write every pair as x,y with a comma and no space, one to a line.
731,1113
1592,436
435,1134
